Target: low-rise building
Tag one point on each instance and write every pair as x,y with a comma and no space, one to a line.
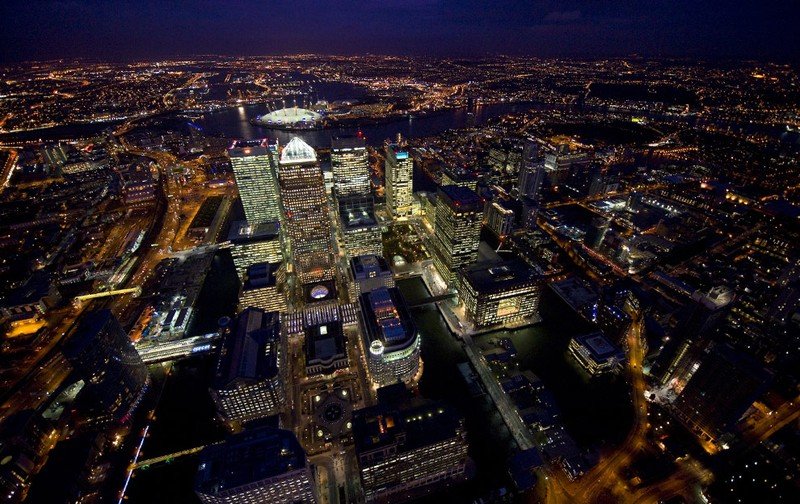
595,353
325,348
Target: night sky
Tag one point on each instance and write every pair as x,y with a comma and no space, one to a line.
134,29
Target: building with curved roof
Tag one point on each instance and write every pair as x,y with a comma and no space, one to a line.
291,118
390,337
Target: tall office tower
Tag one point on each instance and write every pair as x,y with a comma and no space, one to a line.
499,219
706,311
248,383
459,212
559,166
258,465
530,212
350,166
596,232
256,244
390,337
255,177
308,222
720,390
531,171
399,171
104,357
407,448
361,233
499,293
264,287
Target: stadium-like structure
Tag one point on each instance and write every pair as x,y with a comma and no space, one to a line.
290,118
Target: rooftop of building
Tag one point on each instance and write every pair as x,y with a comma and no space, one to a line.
248,457
298,151
261,275
356,216
598,345
348,142
387,319
366,266
248,148
410,423
242,232
498,277
324,341
250,351
462,198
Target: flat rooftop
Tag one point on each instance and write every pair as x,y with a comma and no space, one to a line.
598,345
248,457
261,275
367,266
496,277
409,424
462,198
242,232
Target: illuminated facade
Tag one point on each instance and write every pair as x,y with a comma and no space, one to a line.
248,383
258,465
459,212
254,244
399,170
361,233
369,272
391,341
408,449
350,167
595,353
264,287
500,293
308,223
255,176
499,219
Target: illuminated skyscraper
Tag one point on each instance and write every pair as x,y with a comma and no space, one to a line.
459,212
531,171
255,177
350,166
308,223
399,171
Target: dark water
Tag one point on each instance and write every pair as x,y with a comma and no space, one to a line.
594,411
490,443
235,123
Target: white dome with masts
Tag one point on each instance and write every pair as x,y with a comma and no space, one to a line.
297,151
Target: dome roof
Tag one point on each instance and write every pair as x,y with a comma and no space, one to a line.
289,116
297,151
